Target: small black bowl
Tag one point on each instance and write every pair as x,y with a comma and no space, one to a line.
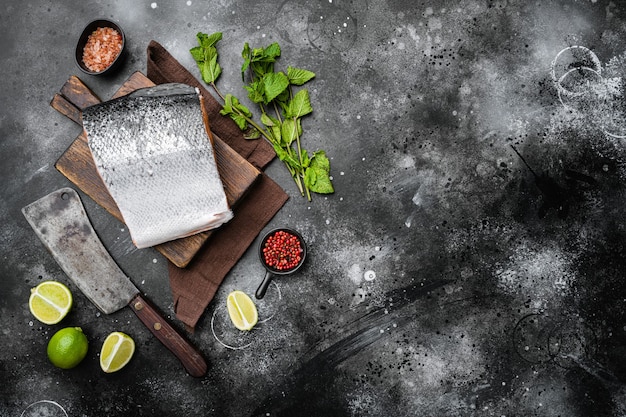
270,271
82,41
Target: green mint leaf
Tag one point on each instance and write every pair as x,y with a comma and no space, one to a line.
232,105
216,69
207,41
205,56
322,184
272,51
288,132
310,178
317,175
319,160
209,53
205,73
259,64
273,127
305,159
236,111
240,108
262,59
227,107
318,180
241,121
257,54
274,84
283,98
255,92
197,53
268,120
210,70
245,54
280,152
284,156
252,133
298,76
274,131
300,105
260,69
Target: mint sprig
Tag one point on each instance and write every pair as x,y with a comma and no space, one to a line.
282,108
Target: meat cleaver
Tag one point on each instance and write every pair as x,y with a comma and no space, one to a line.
60,221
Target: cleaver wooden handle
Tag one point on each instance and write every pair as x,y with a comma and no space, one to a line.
191,359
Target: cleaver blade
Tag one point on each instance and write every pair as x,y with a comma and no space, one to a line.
61,223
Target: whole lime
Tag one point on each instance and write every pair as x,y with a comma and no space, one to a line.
68,347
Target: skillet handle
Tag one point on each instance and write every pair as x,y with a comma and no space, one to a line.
191,359
260,292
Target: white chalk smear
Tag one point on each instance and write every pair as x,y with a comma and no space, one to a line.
219,340
355,274
44,408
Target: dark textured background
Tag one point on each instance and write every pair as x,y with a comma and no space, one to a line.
433,287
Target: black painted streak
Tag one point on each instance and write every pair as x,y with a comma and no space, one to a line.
319,368
554,195
371,324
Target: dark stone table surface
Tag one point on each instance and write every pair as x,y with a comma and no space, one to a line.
445,277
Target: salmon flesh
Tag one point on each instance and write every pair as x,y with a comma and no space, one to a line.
154,155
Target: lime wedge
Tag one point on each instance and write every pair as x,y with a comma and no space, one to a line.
242,310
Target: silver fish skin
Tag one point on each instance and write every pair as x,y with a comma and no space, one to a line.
153,153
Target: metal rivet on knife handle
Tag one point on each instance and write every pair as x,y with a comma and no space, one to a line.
157,326
138,306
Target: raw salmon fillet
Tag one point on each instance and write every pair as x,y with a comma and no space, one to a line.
153,152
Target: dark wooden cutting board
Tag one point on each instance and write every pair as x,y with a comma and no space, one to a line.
77,164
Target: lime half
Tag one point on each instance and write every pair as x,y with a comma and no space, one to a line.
50,302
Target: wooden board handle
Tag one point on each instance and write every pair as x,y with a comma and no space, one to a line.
191,359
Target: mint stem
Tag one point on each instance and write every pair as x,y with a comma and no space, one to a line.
217,90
